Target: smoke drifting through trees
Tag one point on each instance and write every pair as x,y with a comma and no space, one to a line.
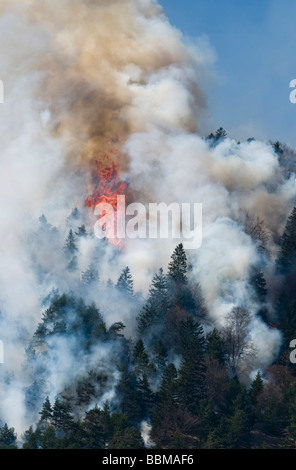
94,82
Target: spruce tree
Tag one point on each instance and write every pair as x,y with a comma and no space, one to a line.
32,439
129,396
46,412
191,378
157,305
70,250
258,283
256,388
90,276
94,429
7,438
70,246
61,415
180,293
168,387
146,396
177,268
215,346
160,353
140,356
125,283
81,232
287,256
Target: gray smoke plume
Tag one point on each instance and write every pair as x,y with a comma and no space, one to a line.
112,77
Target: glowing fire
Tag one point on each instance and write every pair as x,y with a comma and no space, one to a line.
105,188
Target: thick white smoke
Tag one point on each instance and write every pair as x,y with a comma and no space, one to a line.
83,79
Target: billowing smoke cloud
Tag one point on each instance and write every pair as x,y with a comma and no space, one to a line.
112,77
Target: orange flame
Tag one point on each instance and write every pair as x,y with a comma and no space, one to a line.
105,188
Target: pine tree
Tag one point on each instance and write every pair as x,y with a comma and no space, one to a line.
32,439
61,415
94,429
256,388
70,250
130,398
7,438
49,439
177,269
128,438
215,346
258,283
273,416
85,390
146,396
73,264
278,148
46,412
81,232
73,217
90,276
157,305
287,256
160,353
180,292
168,387
140,357
70,246
191,379
115,330
239,430
221,134
125,283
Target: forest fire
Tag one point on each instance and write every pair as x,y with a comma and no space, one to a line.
105,188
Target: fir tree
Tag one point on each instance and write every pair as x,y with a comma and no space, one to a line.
160,353
180,292
49,439
191,378
125,283
168,387
32,439
287,256
70,250
70,246
46,412
130,398
146,396
157,305
90,276
81,232
177,269
61,415
215,346
256,388
258,283
94,429
7,438
140,357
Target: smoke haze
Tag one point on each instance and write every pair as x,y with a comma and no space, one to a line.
95,81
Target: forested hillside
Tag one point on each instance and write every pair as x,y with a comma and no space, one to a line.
172,378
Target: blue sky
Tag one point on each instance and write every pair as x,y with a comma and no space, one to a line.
255,46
